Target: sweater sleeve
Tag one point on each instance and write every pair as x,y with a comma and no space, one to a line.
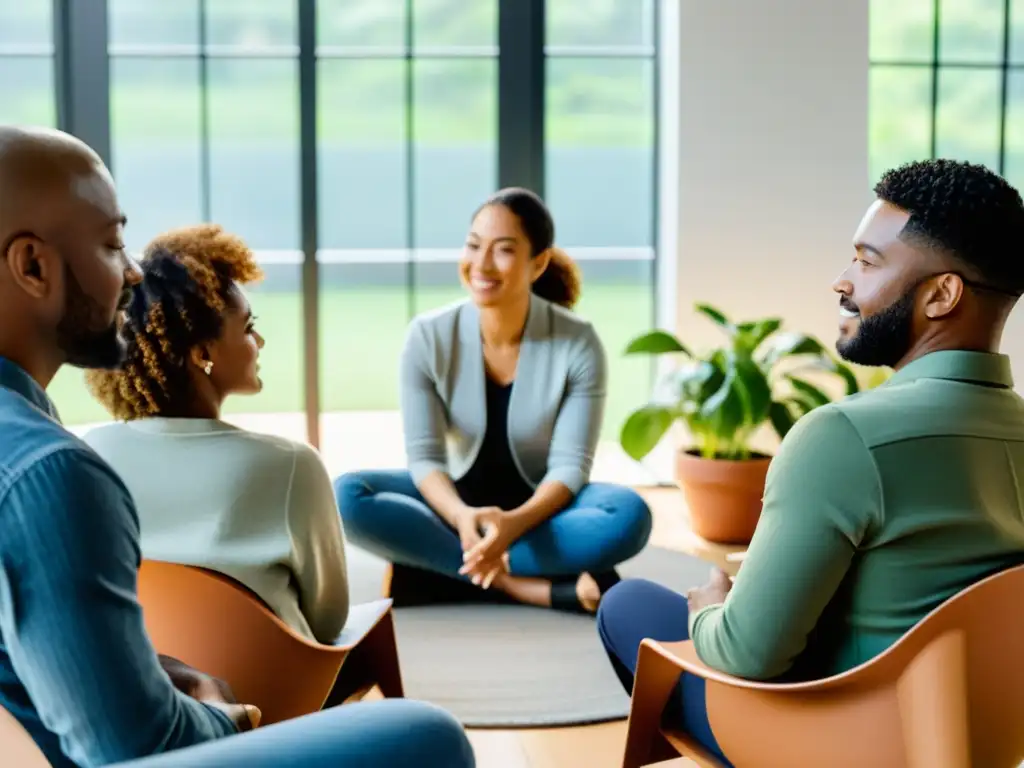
423,415
822,497
578,424
72,624
318,548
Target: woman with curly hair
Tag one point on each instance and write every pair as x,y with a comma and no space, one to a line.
255,507
502,398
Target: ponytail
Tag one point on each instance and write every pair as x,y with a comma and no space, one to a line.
561,282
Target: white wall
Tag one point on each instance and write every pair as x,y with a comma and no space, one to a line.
764,174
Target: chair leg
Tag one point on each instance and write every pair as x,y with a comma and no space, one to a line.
655,679
380,651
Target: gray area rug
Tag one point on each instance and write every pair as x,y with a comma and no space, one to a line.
513,666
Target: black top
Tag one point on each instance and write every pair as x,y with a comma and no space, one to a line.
494,479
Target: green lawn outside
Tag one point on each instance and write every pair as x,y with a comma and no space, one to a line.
362,330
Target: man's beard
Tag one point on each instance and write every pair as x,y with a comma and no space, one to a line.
884,338
86,339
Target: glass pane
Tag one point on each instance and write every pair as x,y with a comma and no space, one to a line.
277,304
968,116
1017,31
600,150
362,153
600,158
971,31
154,22
455,22
900,117
156,144
902,31
374,23
600,22
456,167
455,124
1014,159
364,304
26,23
27,94
254,150
251,23
363,158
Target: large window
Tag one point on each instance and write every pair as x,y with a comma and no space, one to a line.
947,80
349,143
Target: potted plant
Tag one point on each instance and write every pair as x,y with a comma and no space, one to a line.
723,398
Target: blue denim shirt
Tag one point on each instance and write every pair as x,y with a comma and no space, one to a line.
76,667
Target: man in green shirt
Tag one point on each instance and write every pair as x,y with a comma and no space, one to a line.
880,507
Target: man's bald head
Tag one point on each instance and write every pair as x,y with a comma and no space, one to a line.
64,270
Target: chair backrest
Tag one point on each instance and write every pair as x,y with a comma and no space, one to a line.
216,625
16,746
949,693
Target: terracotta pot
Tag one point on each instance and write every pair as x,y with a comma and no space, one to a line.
724,497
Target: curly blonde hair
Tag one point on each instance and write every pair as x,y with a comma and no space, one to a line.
187,274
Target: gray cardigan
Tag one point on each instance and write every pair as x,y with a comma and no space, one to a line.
555,409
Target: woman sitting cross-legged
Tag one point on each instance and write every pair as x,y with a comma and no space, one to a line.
502,397
255,507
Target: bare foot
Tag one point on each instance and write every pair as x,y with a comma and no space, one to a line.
588,593
532,591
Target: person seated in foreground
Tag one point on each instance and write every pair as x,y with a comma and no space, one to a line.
880,507
77,669
502,398
254,507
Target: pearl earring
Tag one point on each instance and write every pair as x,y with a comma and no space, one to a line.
207,367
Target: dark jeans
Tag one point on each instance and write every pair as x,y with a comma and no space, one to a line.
396,733
638,609
384,513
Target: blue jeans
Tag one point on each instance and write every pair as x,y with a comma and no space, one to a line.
384,513
393,733
637,609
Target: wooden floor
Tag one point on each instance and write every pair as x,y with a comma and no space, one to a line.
596,746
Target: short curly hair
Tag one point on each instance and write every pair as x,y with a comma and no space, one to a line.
187,275
964,210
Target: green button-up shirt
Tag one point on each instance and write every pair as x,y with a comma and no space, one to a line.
877,509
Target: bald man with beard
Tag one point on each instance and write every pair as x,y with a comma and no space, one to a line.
76,667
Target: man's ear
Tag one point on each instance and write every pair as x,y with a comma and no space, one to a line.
943,296
31,265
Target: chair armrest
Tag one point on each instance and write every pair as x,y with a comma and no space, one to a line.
361,619
683,655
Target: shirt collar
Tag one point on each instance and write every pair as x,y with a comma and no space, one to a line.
16,379
987,368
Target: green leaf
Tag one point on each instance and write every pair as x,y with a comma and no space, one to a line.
724,410
754,333
789,343
754,390
717,317
644,429
810,393
689,382
848,376
656,343
782,418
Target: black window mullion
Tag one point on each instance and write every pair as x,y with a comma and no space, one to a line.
521,65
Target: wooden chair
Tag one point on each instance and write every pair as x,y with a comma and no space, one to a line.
213,623
949,694
16,746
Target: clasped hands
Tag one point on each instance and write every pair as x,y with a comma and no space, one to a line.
486,533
